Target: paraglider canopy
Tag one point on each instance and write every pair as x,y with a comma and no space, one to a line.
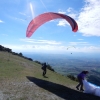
45,17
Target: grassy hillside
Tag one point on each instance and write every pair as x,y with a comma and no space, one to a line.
21,79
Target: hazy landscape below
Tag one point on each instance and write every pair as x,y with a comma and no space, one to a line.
71,63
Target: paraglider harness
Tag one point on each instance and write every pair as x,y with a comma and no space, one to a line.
43,67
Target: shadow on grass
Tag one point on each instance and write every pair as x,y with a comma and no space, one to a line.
62,91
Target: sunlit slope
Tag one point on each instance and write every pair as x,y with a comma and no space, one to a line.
21,79
14,66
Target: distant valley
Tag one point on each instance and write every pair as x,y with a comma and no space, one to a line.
70,64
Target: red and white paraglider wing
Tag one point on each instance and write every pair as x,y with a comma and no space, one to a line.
45,17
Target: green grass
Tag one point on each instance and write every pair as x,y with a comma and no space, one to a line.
14,71
12,66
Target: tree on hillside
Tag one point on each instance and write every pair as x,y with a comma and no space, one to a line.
5,49
20,54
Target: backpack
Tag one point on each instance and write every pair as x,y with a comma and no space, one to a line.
42,67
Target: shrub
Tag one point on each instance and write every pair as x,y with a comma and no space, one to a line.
72,77
50,68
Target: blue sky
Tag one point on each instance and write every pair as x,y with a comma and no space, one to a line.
54,36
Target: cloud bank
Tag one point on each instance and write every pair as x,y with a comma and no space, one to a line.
89,18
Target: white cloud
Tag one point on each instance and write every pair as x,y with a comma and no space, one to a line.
89,18
50,42
61,12
36,48
69,9
79,43
51,48
73,15
70,12
22,13
16,18
1,21
62,23
19,19
88,49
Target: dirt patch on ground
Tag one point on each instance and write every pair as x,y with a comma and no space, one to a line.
33,88
24,90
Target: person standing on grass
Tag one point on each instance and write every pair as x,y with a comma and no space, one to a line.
44,68
80,78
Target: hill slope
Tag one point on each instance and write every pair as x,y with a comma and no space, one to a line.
21,79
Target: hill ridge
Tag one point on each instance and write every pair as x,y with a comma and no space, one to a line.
21,79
